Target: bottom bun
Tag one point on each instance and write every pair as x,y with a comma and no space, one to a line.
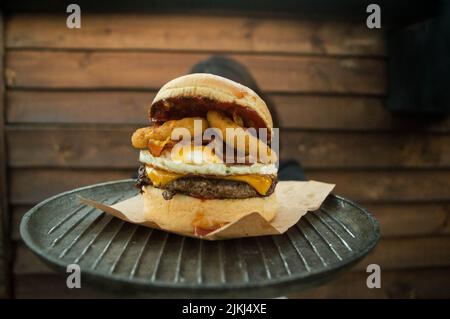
184,213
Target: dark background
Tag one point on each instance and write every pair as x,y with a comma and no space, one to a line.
71,98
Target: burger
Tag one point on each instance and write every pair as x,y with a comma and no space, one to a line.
206,158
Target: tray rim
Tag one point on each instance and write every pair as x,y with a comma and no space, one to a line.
144,284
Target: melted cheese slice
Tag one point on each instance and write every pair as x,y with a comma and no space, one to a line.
261,183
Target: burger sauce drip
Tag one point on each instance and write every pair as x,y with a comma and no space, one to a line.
201,232
203,226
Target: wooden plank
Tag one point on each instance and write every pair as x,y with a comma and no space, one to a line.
17,213
27,185
404,253
360,185
26,262
390,254
4,214
53,286
416,283
347,113
366,150
410,219
195,32
294,111
78,107
150,70
388,185
88,147
110,147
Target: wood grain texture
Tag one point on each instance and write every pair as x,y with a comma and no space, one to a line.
348,113
195,32
26,184
26,262
4,214
415,283
387,185
90,147
53,286
412,219
406,253
294,110
110,148
79,107
17,213
30,186
365,150
390,254
150,70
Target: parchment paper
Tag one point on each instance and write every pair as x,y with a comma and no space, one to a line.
294,199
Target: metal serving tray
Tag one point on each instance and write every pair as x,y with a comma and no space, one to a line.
137,261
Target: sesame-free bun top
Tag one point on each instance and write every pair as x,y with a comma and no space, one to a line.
195,94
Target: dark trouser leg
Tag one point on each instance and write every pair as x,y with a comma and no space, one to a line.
220,65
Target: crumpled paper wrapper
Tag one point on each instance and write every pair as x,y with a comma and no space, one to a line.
294,199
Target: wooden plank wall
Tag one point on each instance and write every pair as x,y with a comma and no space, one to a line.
4,216
74,96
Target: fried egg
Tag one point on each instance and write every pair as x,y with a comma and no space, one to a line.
203,163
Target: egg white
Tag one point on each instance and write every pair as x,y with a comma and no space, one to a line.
177,165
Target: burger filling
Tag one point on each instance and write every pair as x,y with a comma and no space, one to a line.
206,187
211,177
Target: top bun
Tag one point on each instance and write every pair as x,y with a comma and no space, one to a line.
195,94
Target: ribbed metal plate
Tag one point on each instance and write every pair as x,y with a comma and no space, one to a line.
139,261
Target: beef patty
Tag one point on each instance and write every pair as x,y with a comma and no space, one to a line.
204,188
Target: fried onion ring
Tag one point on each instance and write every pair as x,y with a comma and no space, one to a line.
222,123
156,137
